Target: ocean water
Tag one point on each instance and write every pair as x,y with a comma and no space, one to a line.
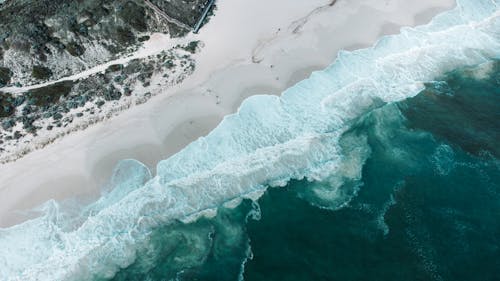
426,206
384,166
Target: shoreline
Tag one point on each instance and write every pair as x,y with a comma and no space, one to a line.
79,164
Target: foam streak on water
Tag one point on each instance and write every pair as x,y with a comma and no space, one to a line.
268,142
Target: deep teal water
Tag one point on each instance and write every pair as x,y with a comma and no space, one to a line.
426,207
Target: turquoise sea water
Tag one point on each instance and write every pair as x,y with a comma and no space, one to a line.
427,205
383,166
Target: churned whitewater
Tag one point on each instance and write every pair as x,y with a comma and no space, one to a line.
208,213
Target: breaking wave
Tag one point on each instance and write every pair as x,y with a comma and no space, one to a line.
268,142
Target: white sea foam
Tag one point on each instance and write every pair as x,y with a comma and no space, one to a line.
268,142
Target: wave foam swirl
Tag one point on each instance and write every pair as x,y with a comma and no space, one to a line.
268,142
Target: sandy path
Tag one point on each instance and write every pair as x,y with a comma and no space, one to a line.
157,43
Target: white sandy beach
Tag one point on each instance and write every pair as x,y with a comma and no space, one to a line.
250,47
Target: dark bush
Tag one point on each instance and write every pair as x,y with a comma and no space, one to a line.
192,46
124,36
57,116
41,72
8,123
114,68
6,106
141,39
74,49
112,94
134,15
50,94
5,75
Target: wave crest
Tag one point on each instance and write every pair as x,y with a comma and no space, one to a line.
269,141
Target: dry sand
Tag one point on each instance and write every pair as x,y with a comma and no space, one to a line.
250,47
